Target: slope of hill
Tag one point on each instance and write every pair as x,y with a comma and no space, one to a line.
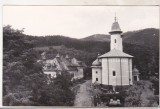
97,37
147,37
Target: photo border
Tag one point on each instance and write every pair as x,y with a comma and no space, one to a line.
65,3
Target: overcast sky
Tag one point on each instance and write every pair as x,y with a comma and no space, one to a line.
79,21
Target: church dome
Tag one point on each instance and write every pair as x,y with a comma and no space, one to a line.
96,63
115,28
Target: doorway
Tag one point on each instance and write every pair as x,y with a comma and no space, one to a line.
135,78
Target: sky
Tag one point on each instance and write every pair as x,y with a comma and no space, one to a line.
79,21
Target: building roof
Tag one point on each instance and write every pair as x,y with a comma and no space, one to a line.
96,63
60,63
135,71
115,28
115,53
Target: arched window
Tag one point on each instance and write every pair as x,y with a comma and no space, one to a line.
114,73
96,72
114,40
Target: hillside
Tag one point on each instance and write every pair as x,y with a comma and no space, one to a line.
97,37
147,37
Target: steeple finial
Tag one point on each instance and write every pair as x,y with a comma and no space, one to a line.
115,18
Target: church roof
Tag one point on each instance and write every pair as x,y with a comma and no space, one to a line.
96,63
115,53
115,28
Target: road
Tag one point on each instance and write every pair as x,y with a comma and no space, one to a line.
84,94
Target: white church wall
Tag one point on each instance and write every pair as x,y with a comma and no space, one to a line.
114,65
105,71
96,74
125,71
116,42
130,63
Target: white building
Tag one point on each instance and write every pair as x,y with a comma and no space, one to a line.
59,64
114,67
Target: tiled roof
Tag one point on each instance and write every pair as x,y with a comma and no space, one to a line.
115,53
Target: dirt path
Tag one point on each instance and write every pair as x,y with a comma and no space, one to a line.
146,94
83,97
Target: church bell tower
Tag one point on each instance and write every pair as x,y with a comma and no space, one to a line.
116,36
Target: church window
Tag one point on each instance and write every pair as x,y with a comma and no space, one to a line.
96,72
114,73
115,40
96,79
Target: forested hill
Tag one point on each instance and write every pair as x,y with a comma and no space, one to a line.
145,37
97,37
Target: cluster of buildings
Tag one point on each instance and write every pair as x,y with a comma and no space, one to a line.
114,67
60,64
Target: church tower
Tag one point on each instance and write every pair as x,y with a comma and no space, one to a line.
116,37
114,67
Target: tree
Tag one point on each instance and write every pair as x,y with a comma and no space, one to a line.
58,92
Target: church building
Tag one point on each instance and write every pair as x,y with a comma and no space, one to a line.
114,67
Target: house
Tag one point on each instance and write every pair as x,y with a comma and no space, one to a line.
57,65
114,67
